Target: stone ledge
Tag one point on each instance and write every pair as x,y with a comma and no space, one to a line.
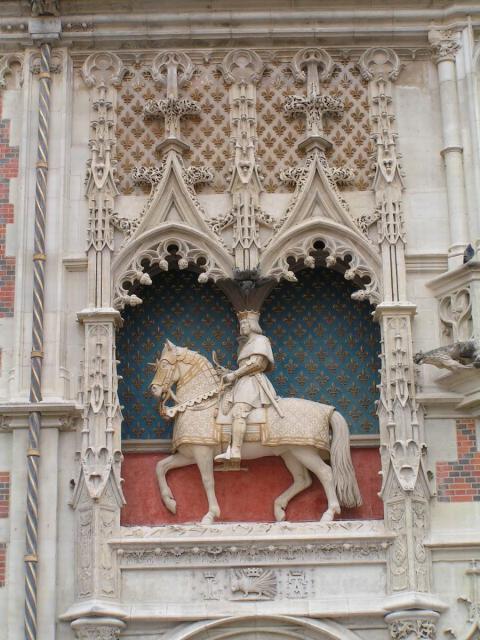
57,415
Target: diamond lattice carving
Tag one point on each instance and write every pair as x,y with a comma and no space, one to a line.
208,133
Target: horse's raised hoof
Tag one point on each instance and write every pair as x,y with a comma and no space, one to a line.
170,503
279,512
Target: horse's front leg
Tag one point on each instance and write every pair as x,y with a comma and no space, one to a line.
203,455
174,461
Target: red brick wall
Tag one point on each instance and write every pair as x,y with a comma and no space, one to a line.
8,170
4,493
3,563
459,480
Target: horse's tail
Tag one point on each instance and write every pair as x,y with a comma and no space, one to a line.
344,478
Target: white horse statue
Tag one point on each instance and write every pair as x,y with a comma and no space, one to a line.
301,436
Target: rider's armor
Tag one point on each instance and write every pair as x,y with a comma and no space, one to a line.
251,388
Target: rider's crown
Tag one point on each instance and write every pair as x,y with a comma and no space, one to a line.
247,314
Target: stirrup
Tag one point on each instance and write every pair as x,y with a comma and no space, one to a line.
224,457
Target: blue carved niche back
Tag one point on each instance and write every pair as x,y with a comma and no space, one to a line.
325,344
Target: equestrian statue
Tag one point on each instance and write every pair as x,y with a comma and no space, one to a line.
224,416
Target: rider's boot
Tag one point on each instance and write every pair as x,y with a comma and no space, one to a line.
239,426
233,452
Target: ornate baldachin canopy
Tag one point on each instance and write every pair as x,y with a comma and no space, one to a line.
174,227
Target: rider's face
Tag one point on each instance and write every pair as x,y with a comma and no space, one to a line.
244,327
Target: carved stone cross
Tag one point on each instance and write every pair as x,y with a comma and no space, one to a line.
171,70
318,66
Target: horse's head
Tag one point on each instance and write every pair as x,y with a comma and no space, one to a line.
166,371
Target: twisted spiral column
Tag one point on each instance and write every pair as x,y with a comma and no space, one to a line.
35,417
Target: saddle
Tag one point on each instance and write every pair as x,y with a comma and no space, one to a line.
256,420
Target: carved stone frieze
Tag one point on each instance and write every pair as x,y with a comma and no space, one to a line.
408,629
312,65
247,545
103,68
99,628
339,529
314,107
172,109
245,553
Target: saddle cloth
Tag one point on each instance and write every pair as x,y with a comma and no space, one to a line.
304,423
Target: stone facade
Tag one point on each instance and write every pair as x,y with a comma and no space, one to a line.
241,145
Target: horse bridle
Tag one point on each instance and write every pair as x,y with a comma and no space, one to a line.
198,366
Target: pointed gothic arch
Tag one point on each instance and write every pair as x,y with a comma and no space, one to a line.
189,247
337,242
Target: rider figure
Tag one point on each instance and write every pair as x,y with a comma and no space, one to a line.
251,387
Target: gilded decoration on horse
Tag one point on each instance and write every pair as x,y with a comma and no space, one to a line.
214,407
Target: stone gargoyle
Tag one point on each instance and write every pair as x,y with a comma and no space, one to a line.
454,357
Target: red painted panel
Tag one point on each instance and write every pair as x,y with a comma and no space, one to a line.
243,495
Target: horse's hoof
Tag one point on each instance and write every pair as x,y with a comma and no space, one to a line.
208,518
329,514
171,504
279,513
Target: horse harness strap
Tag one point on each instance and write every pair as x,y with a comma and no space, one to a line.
171,412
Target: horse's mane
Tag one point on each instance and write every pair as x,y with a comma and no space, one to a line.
200,355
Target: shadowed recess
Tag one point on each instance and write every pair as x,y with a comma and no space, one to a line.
175,307
325,344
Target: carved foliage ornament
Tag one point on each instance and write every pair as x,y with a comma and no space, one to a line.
307,60
445,44
413,629
103,68
242,66
172,69
187,253
379,62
